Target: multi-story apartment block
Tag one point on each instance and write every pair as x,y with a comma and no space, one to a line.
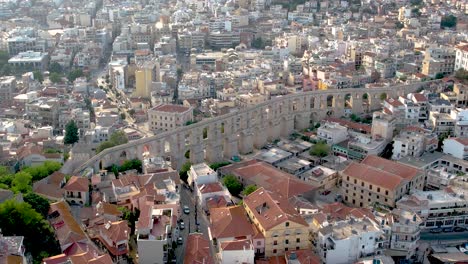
405,230
457,147
414,141
7,88
332,133
30,59
438,60
379,181
440,208
280,224
461,122
461,57
43,111
201,174
347,241
168,117
224,39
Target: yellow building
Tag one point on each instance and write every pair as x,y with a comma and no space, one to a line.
145,75
282,226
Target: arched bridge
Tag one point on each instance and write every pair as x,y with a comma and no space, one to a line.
240,132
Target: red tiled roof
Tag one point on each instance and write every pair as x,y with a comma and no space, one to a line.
390,166
230,222
76,183
372,175
244,244
197,250
349,124
211,187
463,141
115,232
304,256
170,108
271,210
394,102
420,97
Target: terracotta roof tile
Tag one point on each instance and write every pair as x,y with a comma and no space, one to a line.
76,183
390,166
463,141
171,108
243,244
271,210
230,222
197,250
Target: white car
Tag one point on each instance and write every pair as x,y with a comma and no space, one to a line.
186,210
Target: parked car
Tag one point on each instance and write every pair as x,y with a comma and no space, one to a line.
180,241
447,229
435,230
182,225
186,209
327,192
459,229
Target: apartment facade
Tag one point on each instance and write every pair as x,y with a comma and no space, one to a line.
7,88
379,181
166,117
281,225
461,57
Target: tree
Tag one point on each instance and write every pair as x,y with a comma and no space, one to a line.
38,76
383,96
187,154
232,184
38,203
184,170
399,25
258,43
439,75
5,177
104,145
21,219
448,21
118,138
122,116
416,12
55,67
320,149
75,74
39,172
461,74
215,166
71,133
249,189
21,182
55,77
131,217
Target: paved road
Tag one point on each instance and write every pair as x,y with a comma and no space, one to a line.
188,198
444,236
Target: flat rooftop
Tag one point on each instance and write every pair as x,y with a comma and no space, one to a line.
202,169
273,155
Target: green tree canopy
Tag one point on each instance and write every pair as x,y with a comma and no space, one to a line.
39,172
38,76
55,77
439,75
184,170
55,67
232,184
320,149
249,189
71,133
75,74
461,74
215,166
118,138
21,219
5,177
21,182
104,145
448,21
38,203
383,96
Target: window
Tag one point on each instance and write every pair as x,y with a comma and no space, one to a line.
298,240
275,242
370,186
386,192
355,181
286,249
287,223
259,243
286,241
274,251
378,189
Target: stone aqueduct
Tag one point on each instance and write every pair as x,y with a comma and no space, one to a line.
238,133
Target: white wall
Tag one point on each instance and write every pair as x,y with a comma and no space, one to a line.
237,256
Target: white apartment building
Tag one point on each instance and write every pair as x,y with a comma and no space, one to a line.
441,208
461,122
413,141
32,59
153,229
457,147
332,133
7,88
166,117
201,174
438,178
405,232
347,241
237,251
461,57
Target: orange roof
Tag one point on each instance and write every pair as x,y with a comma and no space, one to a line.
115,232
50,186
76,183
303,256
372,175
171,108
420,97
390,166
393,102
230,222
339,211
349,124
211,187
271,210
197,250
263,174
463,141
67,230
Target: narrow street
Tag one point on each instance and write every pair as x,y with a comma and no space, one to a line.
196,215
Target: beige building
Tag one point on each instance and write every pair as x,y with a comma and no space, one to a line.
438,60
282,226
168,117
379,181
7,88
145,75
